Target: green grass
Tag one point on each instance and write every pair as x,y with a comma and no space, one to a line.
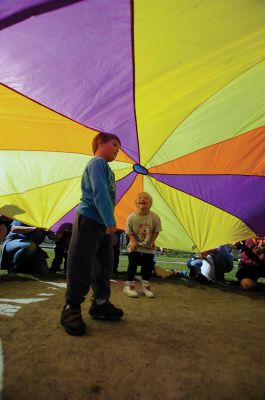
179,263
163,261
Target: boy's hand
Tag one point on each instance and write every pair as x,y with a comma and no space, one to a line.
152,245
111,229
133,246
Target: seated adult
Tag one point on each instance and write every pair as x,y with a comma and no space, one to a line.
21,250
202,267
251,266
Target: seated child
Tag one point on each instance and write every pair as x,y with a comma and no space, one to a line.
142,227
202,268
211,265
251,266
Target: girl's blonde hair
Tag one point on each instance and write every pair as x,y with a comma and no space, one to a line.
147,195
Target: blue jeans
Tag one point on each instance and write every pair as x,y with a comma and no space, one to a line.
20,255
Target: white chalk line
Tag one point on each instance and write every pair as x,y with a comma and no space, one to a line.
8,310
45,294
57,284
22,301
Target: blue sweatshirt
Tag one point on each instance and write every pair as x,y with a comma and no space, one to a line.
98,192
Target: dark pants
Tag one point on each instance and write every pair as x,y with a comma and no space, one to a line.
60,253
253,272
90,261
116,251
145,260
221,265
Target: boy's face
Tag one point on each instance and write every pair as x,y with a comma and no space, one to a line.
109,150
143,202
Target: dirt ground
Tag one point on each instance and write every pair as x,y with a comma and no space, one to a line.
190,342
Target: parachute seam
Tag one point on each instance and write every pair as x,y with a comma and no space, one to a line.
133,77
206,202
199,105
50,184
192,240
208,147
97,130
38,9
41,187
128,187
206,175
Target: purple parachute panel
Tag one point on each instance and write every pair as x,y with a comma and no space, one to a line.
15,10
66,219
219,190
123,185
76,60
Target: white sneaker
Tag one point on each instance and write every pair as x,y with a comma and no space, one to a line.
129,289
147,291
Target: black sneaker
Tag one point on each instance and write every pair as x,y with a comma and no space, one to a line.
71,319
105,311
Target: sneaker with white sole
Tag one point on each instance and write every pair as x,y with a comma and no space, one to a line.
129,289
146,290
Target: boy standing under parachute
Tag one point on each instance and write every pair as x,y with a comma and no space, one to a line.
90,258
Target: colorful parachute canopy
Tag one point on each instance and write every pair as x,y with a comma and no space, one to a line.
182,83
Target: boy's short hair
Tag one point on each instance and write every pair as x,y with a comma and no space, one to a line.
148,195
102,137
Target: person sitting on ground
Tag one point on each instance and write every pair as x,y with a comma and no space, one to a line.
62,240
202,267
251,266
212,264
142,227
21,250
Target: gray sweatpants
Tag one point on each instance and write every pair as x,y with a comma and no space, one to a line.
90,261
